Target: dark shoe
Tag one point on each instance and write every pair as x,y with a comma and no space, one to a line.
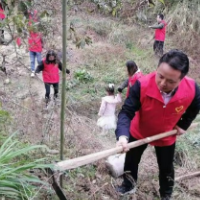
166,197
55,97
47,100
125,190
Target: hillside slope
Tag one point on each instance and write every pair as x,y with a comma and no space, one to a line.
101,63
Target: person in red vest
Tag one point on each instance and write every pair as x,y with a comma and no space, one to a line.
134,73
35,49
2,17
160,31
33,16
158,102
50,67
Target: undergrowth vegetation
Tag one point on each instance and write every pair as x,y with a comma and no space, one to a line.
16,182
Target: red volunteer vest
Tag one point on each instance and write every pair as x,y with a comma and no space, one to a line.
2,14
132,80
35,42
160,33
50,73
154,117
18,41
32,17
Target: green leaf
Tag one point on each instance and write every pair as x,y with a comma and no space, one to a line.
15,181
162,1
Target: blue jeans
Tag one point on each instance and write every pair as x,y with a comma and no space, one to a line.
33,56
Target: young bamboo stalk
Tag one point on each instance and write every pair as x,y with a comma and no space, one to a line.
83,160
64,46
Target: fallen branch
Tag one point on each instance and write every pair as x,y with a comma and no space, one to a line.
55,185
188,176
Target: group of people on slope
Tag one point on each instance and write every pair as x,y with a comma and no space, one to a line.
157,102
49,66
107,118
133,73
35,48
35,45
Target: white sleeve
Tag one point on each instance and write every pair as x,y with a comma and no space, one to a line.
118,98
102,108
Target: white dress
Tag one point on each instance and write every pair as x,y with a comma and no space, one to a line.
107,112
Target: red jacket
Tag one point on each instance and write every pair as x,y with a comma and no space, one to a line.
132,80
2,14
160,33
35,42
154,117
50,73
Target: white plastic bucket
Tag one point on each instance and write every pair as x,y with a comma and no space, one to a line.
115,164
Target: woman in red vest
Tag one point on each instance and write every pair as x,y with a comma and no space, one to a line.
33,16
35,49
134,73
160,31
165,100
50,71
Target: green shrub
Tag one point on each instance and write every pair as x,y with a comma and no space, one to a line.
72,83
83,75
102,28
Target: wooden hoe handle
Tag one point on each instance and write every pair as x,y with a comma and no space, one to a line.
83,160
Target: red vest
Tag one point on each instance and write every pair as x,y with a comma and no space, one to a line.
132,80
154,117
2,15
32,17
160,33
18,41
50,73
35,42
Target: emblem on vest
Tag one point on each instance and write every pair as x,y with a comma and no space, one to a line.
179,109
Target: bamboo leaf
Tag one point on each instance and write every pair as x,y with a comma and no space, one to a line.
15,181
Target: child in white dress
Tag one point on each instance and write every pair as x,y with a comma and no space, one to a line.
107,109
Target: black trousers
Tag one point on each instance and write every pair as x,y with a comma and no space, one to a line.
2,36
158,47
48,88
165,157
